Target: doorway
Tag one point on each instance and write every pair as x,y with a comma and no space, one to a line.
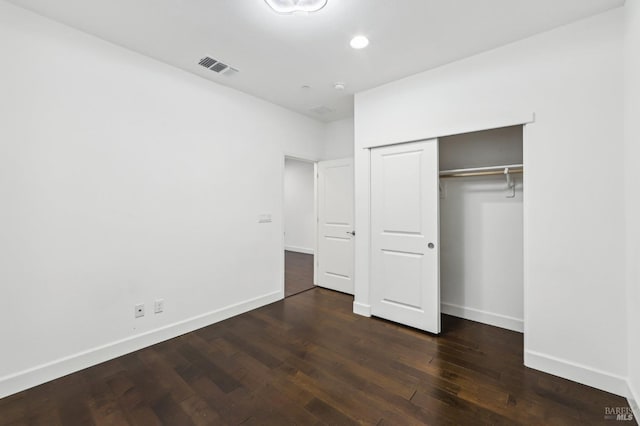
299,225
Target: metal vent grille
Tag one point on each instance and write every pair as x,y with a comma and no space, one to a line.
217,66
207,62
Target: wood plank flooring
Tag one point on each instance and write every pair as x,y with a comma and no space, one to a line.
298,275
308,360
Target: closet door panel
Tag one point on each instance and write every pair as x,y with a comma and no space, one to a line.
402,278
401,199
405,279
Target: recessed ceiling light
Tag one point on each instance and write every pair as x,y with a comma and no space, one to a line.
293,6
339,86
359,42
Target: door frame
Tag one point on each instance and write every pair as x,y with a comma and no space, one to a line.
285,157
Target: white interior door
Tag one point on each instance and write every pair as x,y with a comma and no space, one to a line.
335,225
405,279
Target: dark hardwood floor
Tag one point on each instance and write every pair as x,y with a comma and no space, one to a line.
298,272
309,360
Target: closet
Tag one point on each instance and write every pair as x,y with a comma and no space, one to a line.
481,227
447,230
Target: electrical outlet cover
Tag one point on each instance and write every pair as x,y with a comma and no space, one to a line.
139,310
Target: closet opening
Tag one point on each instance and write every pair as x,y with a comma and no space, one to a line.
481,191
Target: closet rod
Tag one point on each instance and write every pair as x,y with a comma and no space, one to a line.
483,171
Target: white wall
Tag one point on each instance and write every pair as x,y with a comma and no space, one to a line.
299,206
338,140
632,157
481,230
123,180
571,78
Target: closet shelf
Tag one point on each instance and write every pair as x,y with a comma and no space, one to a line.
483,171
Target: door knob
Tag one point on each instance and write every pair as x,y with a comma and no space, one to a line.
431,245
352,233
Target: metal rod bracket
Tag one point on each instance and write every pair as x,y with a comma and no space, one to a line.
511,184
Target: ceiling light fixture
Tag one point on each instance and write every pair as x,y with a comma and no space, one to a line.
359,42
293,6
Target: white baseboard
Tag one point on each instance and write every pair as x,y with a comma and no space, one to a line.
299,249
43,373
633,398
361,309
576,372
498,320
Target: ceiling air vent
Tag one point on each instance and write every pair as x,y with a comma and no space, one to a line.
320,110
216,66
219,67
207,62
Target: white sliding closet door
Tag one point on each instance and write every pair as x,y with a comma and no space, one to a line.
405,279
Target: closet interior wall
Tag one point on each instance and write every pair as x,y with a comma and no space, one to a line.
481,224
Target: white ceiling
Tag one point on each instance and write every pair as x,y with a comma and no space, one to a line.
277,54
